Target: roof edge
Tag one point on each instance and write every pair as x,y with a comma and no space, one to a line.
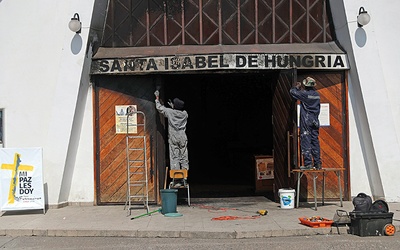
292,48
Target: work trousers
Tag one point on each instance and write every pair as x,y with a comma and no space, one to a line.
178,152
309,142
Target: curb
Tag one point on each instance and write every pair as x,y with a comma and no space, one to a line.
177,234
171,234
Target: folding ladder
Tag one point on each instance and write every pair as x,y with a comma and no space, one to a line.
136,156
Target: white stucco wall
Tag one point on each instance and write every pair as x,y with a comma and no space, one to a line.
42,91
374,101
386,127
47,97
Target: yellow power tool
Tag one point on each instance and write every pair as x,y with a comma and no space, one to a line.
262,212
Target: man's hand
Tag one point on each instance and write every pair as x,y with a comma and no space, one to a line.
157,94
170,103
298,85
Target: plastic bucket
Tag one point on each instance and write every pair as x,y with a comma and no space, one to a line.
169,199
286,196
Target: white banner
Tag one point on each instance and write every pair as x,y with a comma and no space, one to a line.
21,179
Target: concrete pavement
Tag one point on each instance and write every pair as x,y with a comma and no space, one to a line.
200,220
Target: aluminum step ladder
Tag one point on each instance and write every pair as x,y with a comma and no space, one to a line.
136,157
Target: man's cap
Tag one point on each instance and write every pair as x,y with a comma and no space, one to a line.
309,82
178,104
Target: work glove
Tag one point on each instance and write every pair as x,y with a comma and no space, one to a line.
157,93
170,103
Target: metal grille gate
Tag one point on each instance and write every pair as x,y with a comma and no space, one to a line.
214,22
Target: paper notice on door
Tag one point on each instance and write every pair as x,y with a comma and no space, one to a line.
324,115
121,120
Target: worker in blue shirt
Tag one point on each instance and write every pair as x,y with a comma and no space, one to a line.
309,123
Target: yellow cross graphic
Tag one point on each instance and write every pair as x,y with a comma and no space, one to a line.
15,167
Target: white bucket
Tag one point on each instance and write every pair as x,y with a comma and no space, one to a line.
286,196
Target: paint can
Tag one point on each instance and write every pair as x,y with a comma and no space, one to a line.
286,196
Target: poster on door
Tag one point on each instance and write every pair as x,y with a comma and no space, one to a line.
122,122
265,167
324,115
21,179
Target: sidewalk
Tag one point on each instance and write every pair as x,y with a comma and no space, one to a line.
196,222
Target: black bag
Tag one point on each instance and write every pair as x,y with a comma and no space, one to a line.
380,206
362,203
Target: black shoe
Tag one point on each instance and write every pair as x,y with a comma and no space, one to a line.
308,167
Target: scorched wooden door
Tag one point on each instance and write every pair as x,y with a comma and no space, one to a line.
333,137
111,161
284,135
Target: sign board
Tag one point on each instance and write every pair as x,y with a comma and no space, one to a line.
264,181
265,167
229,61
324,115
21,179
121,119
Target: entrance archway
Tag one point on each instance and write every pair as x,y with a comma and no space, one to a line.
233,117
230,122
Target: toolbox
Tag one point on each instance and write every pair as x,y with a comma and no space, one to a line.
316,221
371,223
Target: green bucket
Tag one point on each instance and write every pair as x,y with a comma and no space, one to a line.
169,199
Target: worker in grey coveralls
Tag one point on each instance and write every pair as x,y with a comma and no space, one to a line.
309,123
177,139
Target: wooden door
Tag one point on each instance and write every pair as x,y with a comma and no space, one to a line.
333,137
284,132
111,161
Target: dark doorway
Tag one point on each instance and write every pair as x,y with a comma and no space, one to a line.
230,122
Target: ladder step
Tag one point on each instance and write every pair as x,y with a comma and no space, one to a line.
136,185
139,181
138,196
135,137
136,161
136,149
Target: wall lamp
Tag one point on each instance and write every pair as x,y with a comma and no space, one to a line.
363,17
75,24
